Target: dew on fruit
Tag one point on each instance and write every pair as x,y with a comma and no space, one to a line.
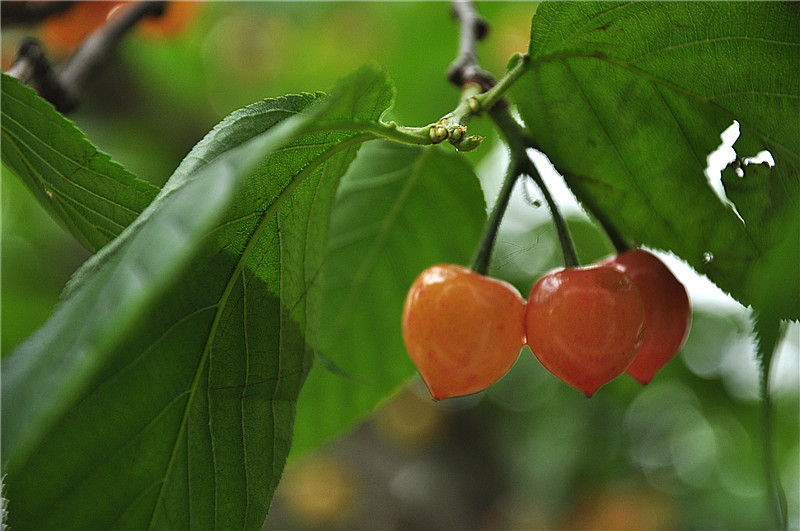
708,257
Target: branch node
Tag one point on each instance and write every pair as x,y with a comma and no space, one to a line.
62,88
456,134
465,69
31,65
474,105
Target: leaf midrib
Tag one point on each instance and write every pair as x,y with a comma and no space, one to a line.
266,215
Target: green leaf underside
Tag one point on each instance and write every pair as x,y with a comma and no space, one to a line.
628,100
399,210
162,391
93,196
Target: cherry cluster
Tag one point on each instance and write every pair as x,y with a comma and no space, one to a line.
586,325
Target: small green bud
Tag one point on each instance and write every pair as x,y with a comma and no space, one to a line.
469,143
438,133
456,134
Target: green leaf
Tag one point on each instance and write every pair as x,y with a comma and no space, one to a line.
772,216
93,196
162,391
399,210
628,100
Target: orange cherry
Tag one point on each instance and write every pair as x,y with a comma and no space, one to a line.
463,330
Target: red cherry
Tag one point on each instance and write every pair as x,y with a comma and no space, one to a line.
585,325
463,330
667,311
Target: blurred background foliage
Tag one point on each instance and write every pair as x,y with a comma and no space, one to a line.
683,452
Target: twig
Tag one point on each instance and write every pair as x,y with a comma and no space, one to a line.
480,264
62,88
464,72
465,69
32,65
12,13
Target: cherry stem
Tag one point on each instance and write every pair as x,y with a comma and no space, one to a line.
774,490
518,142
766,351
621,245
484,254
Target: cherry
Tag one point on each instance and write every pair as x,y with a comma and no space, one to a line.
667,312
463,330
585,325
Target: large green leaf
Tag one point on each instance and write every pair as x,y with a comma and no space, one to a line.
161,393
399,210
92,195
628,100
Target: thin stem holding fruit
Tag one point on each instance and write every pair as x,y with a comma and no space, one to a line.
620,243
518,143
481,262
564,237
775,490
769,333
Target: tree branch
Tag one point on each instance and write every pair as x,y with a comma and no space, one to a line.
465,69
62,88
31,65
13,13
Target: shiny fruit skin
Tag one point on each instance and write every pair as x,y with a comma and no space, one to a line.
585,325
667,311
464,331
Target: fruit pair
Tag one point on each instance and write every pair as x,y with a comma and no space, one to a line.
585,325
628,313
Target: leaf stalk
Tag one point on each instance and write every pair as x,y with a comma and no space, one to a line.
769,333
